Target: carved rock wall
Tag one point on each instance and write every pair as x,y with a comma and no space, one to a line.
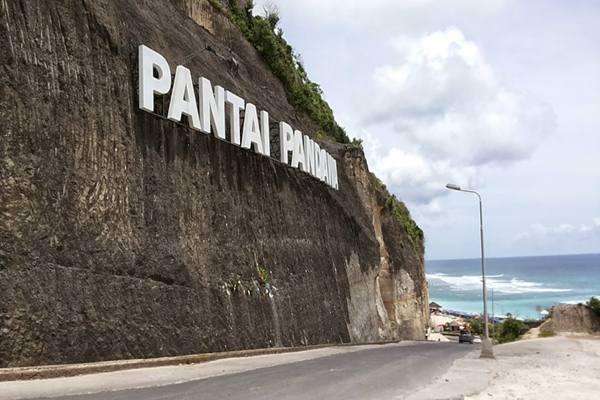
125,235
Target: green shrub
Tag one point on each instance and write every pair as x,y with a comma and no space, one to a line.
401,214
216,4
594,304
357,142
476,326
510,330
302,93
380,185
547,334
263,275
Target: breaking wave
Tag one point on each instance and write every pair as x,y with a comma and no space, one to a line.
496,282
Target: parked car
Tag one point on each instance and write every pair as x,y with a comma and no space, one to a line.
466,337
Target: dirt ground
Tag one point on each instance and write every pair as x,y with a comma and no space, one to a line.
560,367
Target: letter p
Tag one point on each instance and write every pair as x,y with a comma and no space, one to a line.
149,61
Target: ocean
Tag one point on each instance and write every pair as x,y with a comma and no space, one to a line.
517,285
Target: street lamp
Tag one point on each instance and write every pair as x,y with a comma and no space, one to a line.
487,350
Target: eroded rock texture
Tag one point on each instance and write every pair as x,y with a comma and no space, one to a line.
123,234
572,318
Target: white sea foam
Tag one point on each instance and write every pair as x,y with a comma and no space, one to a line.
573,301
496,282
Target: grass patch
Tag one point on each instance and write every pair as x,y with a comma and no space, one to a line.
547,334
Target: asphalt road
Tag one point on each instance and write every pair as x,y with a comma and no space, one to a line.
384,372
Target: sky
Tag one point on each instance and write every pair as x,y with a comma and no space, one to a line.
500,96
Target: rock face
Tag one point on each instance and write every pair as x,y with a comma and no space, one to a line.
123,234
572,318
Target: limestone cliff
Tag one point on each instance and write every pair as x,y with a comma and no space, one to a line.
572,318
123,234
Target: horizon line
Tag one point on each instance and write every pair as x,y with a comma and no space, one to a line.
530,256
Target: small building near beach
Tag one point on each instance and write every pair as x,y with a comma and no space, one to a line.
455,326
434,308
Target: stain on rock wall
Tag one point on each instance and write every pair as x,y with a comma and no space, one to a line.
125,235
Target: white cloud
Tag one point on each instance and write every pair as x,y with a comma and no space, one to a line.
421,180
443,113
541,232
505,45
381,15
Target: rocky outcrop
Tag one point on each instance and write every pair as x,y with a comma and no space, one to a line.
123,234
572,318
398,284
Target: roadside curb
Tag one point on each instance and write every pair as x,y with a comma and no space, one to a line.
67,370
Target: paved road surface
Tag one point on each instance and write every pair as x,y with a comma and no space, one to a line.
383,372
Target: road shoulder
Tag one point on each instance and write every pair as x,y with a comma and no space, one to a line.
165,375
565,367
467,375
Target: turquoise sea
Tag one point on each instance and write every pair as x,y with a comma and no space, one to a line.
516,284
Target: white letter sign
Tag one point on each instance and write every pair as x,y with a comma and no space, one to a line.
183,99
149,61
251,132
214,105
212,108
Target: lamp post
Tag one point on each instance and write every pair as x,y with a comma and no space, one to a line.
487,350
493,314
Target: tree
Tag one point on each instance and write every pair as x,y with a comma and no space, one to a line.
271,12
510,330
594,304
476,326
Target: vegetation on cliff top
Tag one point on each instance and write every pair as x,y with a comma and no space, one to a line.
402,215
302,93
594,304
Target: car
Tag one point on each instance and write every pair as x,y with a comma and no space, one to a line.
466,337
